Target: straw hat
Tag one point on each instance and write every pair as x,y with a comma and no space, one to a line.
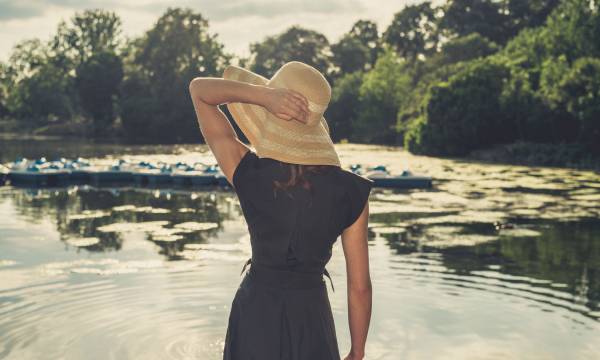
288,141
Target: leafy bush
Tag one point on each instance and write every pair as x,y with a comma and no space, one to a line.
464,113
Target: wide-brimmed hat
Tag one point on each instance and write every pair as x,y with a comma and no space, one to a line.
288,141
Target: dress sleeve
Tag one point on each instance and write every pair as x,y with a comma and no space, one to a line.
358,189
243,175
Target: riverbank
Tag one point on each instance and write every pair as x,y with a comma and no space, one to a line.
574,156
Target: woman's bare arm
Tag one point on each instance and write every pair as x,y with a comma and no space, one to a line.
209,92
356,252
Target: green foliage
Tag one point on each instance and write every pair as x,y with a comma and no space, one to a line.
46,96
580,89
564,126
469,47
88,33
57,81
297,44
381,95
4,85
37,91
574,30
97,82
26,58
413,31
367,33
463,114
342,111
527,51
139,108
464,17
498,21
155,99
357,50
350,55
529,115
546,89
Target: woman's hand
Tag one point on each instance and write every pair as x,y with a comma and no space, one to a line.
287,104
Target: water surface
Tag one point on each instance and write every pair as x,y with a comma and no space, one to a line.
495,262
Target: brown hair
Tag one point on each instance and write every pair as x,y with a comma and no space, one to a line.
298,174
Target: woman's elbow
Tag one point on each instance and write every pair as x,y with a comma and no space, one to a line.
195,85
364,287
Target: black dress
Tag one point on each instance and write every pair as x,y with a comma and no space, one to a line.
281,310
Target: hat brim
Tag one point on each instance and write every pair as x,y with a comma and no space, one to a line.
273,137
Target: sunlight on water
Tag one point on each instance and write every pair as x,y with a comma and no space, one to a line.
494,262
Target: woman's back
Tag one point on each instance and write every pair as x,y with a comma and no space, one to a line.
292,233
296,228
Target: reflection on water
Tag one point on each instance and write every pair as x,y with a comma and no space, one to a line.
494,262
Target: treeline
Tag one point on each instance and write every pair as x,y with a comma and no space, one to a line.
442,80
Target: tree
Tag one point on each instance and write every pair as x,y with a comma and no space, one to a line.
357,50
574,30
4,86
485,17
580,92
466,48
413,31
37,91
382,94
295,44
44,97
463,114
527,14
350,55
533,119
366,33
343,109
26,58
97,82
88,33
162,62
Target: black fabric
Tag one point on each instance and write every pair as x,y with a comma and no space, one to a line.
281,309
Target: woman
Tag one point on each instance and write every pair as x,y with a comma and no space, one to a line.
296,200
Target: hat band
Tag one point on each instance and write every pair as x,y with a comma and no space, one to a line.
316,108
275,130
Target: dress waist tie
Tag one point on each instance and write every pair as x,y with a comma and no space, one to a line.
275,274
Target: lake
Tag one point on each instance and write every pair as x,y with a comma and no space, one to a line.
494,262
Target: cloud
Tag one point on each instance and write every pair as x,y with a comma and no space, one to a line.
237,22
18,10
214,10
221,11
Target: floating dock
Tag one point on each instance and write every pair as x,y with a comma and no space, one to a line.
63,172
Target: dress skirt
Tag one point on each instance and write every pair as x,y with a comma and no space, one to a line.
281,315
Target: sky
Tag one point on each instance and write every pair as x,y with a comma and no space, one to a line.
237,22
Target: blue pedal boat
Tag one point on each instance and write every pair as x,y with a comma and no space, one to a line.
197,175
193,178
150,174
219,177
382,178
3,174
39,172
79,171
118,173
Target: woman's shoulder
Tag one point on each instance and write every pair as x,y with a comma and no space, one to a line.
352,179
245,168
355,190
